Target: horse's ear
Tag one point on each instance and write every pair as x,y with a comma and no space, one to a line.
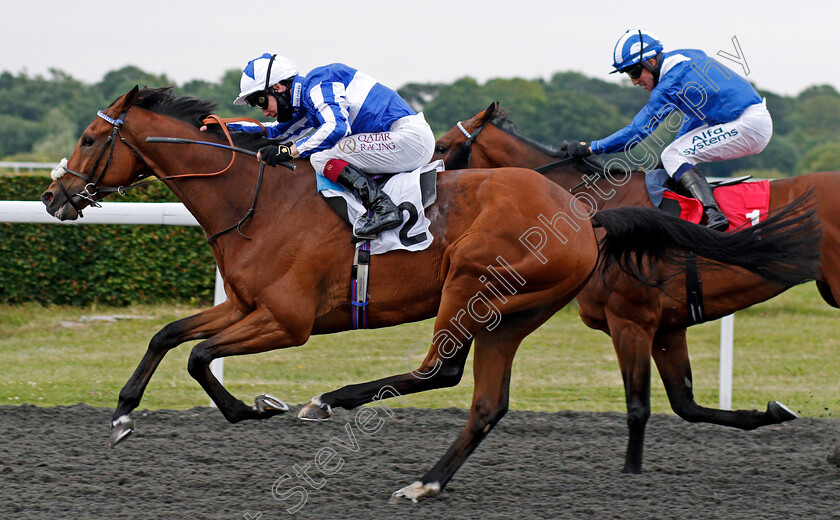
491,111
131,97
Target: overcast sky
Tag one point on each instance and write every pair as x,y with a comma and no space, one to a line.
787,46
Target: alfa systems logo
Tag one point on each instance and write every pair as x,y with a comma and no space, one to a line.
709,138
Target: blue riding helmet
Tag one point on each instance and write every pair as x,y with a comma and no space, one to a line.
634,46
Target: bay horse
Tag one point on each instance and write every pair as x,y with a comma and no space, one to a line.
291,278
644,323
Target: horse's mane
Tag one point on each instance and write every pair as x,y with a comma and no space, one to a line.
502,121
587,164
192,111
164,102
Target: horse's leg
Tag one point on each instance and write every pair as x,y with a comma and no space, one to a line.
670,352
442,367
632,344
201,325
829,283
827,294
258,332
494,352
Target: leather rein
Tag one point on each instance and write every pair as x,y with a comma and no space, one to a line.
466,149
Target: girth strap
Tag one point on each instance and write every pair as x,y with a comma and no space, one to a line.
694,290
359,285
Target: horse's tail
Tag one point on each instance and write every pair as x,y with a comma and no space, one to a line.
784,249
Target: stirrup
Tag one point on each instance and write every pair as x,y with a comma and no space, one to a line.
356,237
715,219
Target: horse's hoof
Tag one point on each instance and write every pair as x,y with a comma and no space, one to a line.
121,428
315,410
270,405
780,412
414,491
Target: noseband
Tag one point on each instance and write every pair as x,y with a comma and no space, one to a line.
91,188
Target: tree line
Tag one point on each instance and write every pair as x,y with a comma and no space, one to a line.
42,117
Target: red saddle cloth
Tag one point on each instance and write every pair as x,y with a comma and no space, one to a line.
744,203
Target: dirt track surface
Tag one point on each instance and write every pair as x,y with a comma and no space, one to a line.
55,464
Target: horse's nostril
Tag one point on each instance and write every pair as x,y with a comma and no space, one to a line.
47,197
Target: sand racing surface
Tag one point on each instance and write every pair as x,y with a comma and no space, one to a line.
55,463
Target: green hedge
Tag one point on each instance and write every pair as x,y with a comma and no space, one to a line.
107,264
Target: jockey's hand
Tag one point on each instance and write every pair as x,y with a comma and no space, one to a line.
578,149
273,154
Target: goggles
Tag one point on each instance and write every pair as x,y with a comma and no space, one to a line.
635,72
258,99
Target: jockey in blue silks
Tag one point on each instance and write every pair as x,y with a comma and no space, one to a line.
724,116
346,123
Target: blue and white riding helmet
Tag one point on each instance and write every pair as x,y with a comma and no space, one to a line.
634,46
255,75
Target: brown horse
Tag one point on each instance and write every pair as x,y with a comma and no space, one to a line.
485,283
642,322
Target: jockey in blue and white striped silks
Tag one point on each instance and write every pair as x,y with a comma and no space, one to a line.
338,112
346,123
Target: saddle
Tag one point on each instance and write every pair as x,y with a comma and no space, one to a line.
742,202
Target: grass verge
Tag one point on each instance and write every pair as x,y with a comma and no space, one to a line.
785,349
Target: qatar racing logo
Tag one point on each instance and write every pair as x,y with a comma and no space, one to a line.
362,143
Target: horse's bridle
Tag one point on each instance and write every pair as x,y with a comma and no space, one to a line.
466,146
110,144
91,188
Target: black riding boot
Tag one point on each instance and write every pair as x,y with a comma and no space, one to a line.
697,185
385,216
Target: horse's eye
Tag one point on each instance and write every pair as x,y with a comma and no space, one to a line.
440,149
87,141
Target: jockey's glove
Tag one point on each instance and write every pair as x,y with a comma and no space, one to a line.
578,149
273,154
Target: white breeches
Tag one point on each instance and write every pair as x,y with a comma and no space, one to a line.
746,135
406,146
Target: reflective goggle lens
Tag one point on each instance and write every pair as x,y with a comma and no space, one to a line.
258,99
635,72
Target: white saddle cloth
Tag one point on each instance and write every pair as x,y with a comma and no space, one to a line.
411,191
